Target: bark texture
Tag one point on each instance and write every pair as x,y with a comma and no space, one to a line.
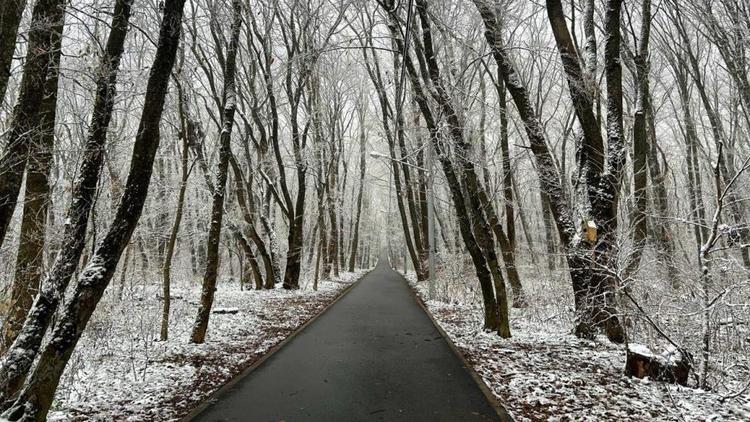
217,209
30,257
36,396
46,21
17,361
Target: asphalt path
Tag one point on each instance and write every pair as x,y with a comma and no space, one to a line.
372,356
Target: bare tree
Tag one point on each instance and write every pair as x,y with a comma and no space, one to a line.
47,18
36,396
17,361
229,106
30,257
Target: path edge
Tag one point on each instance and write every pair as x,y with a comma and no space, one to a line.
502,413
210,400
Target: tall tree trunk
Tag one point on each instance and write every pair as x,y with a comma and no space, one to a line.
124,272
373,69
323,262
313,245
362,171
11,12
44,36
419,252
17,361
217,209
36,397
294,239
510,220
321,247
331,194
422,181
695,182
639,232
524,225
549,231
341,197
603,183
470,178
30,257
662,229
166,270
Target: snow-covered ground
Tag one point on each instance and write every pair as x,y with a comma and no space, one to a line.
120,371
545,373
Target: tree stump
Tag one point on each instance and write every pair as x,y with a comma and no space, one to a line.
226,311
672,366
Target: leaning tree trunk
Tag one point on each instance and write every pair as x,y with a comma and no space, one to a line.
415,247
492,318
36,397
217,210
30,257
27,114
420,264
17,361
506,249
471,181
248,210
254,267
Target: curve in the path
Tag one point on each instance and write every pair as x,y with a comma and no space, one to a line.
374,355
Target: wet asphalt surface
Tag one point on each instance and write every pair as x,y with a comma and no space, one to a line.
373,356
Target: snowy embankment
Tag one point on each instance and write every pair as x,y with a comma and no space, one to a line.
120,371
545,373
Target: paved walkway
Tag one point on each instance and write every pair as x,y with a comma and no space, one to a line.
374,355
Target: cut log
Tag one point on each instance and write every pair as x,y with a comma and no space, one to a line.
226,311
672,366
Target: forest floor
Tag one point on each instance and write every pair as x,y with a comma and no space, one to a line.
120,371
543,372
